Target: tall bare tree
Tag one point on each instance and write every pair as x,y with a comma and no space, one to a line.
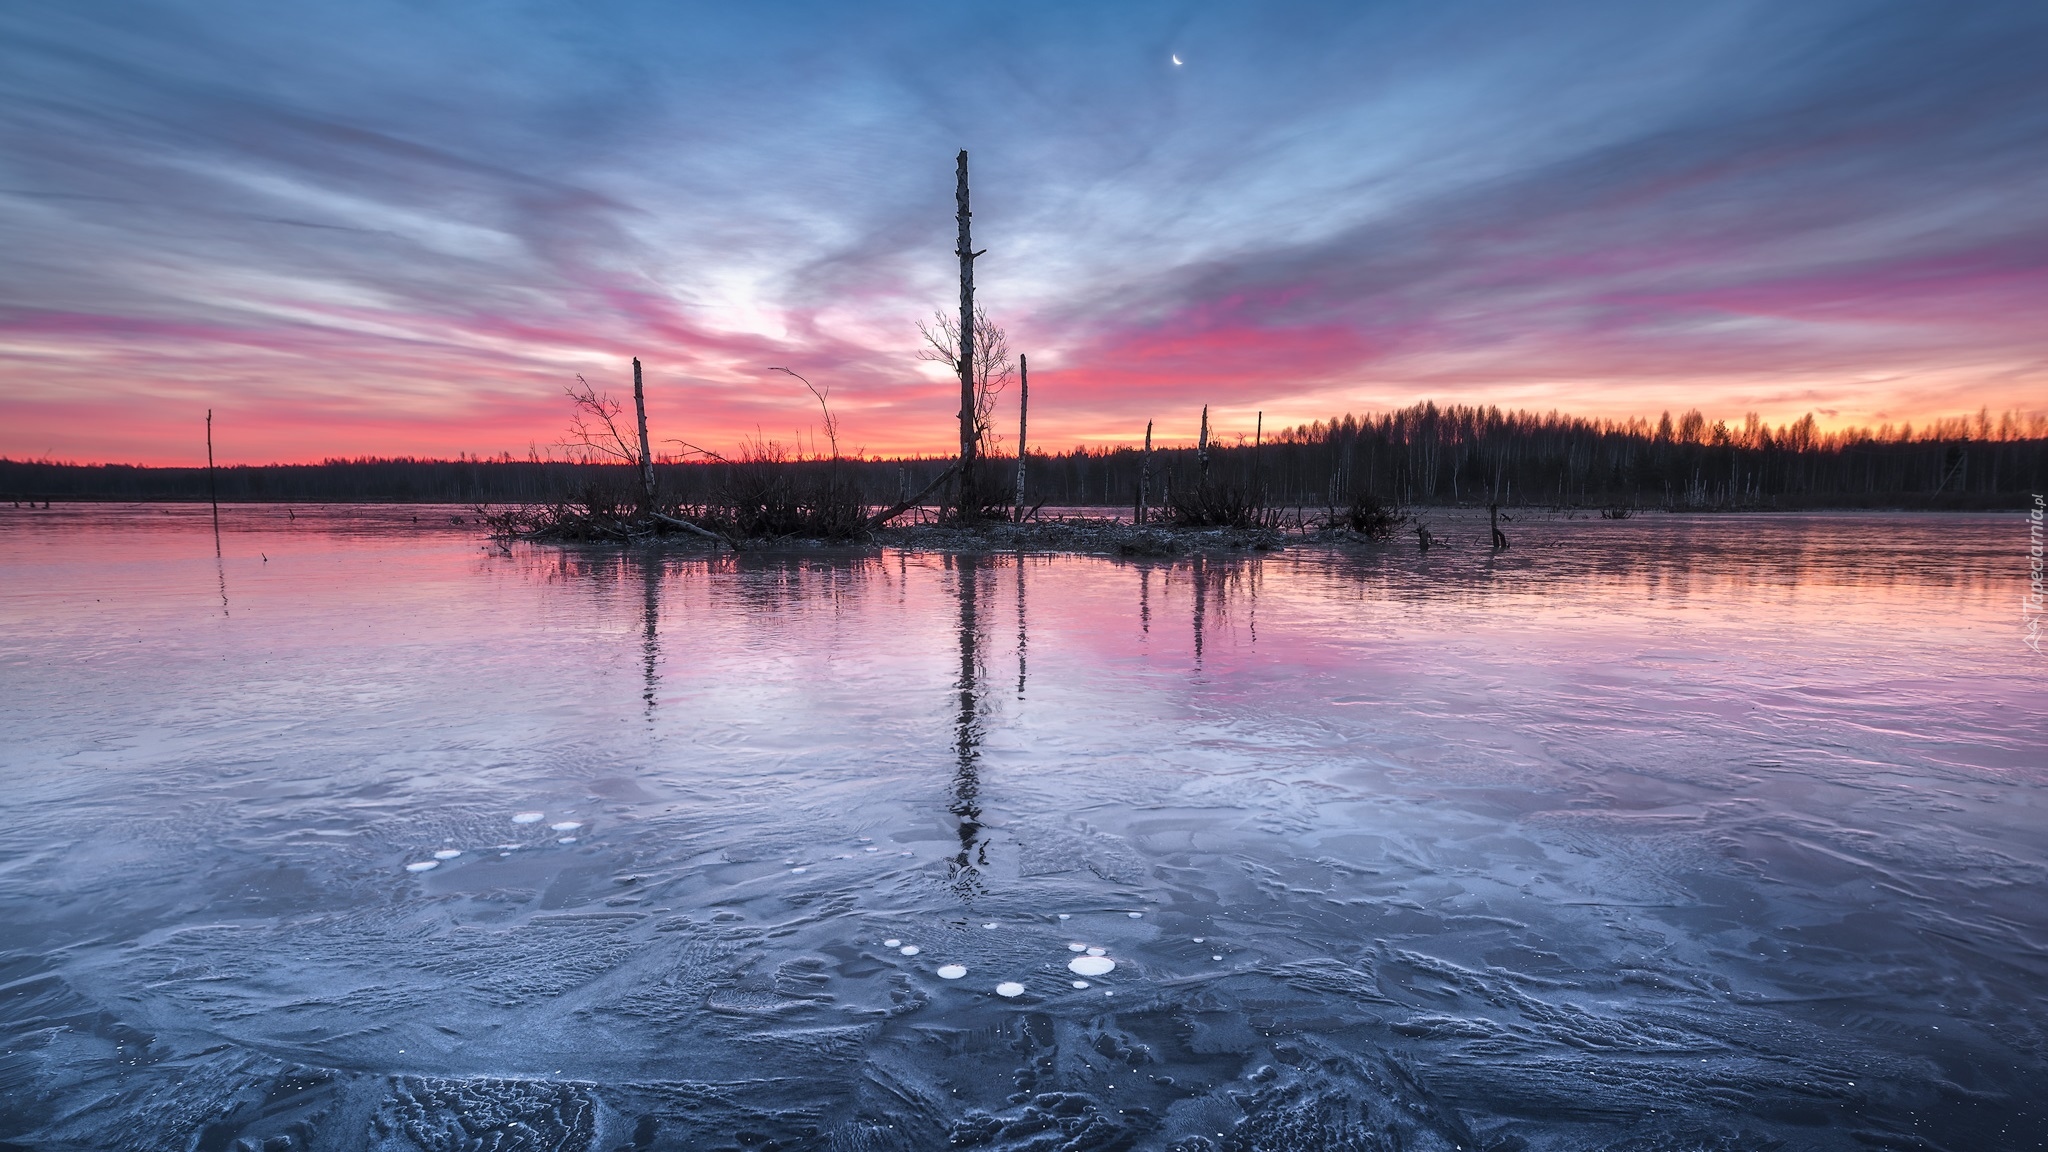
970,419
1023,417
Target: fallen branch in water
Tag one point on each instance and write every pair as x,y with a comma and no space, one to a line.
686,526
902,506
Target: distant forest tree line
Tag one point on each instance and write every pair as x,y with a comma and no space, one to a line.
1421,455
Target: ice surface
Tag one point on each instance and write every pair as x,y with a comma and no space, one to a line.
1651,835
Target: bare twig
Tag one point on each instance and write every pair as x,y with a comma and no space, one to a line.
831,421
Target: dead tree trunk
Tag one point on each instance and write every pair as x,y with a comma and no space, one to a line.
212,491
1023,415
1258,441
970,496
1202,449
1145,474
646,457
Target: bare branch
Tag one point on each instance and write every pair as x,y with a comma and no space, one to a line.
603,438
831,421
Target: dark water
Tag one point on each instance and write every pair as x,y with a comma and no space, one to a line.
1669,833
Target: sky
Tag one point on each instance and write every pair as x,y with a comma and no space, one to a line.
404,228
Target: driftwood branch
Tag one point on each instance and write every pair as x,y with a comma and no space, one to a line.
909,502
685,525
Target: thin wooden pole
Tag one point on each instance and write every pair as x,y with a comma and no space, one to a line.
212,490
970,504
1023,415
646,456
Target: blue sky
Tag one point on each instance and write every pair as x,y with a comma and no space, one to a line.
373,228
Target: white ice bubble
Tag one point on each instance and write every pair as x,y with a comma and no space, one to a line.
871,848
1080,983
1215,957
1198,939
447,853
909,949
565,840
1009,988
891,942
990,925
1135,915
1098,951
528,817
1077,946
952,971
423,866
1091,965
567,825
799,871
1064,916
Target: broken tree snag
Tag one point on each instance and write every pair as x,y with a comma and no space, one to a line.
212,491
1145,474
1202,448
970,501
1023,415
1500,540
909,502
646,457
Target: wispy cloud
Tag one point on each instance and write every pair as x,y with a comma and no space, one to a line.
373,227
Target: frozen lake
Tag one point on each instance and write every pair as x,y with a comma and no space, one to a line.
1667,833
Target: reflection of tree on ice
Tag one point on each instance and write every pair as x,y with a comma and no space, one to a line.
966,806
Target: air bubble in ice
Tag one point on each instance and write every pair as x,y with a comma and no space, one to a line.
952,971
423,866
1135,915
1080,983
1064,916
565,840
1077,946
1215,957
447,853
1198,939
799,871
528,817
891,942
1009,988
567,825
909,949
1091,965
990,925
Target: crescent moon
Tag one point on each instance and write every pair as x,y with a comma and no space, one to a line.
1176,61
